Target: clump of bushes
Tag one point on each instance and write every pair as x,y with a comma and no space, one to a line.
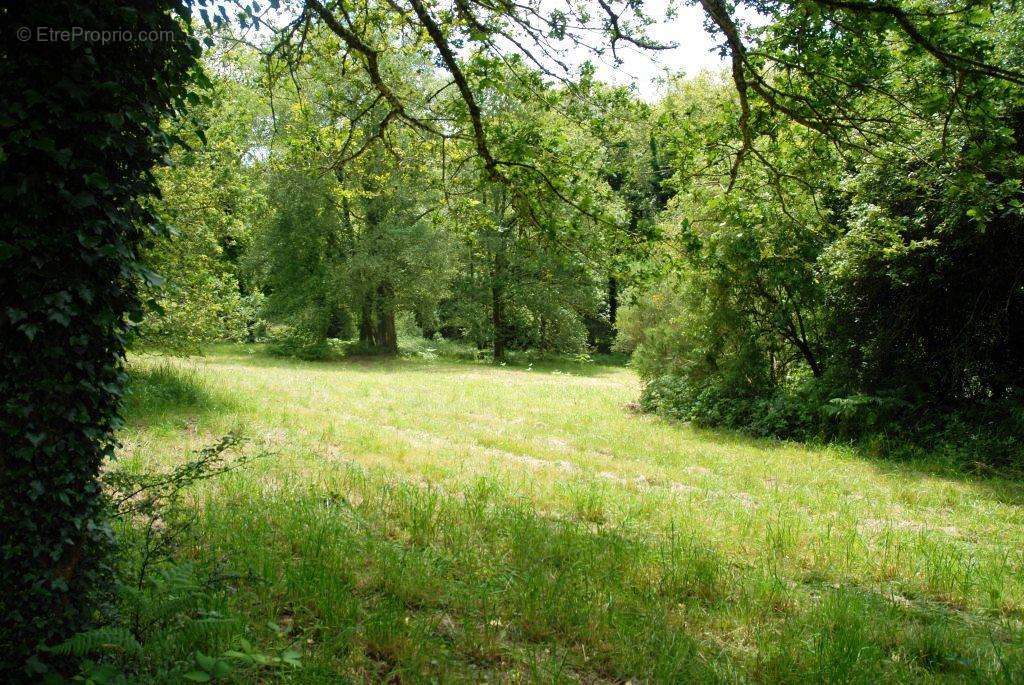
439,348
974,437
790,413
285,340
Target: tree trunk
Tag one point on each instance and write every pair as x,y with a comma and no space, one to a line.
367,329
498,320
498,303
809,356
601,336
387,336
613,300
802,343
498,268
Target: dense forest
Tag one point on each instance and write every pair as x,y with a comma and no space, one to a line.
837,260
809,259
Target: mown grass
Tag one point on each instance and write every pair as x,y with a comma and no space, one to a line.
421,520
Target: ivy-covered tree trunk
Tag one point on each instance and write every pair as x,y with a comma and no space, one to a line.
79,134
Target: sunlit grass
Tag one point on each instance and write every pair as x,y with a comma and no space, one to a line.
429,520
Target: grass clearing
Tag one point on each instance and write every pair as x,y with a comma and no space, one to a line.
425,520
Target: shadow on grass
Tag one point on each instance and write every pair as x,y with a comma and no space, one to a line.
256,356
1004,484
166,391
1001,484
447,584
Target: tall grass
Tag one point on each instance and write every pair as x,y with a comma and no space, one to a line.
163,388
430,521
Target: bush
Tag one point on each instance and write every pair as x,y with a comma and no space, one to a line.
970,436
167,621
439,348
801,410
288,341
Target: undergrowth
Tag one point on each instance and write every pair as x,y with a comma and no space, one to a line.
165,618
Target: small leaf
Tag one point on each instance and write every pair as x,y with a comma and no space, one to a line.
205,662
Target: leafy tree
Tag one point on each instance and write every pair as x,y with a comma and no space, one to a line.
298,255
212,198
740,297
538,248
623,126
925,287
354,240
399,256
861,260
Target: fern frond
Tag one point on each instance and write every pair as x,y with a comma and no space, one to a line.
104,639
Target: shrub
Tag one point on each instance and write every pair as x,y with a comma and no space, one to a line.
439,348
292,341
165,617
969,436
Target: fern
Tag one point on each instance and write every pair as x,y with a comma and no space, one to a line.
105,639
166,617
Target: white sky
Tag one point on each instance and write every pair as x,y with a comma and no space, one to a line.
696,51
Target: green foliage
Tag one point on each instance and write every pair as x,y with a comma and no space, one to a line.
212,199
177,621
80,132
337,254
534,252
384,233
164,614
795,412
298,342
438,348
839,283
105,638
298,258
924,287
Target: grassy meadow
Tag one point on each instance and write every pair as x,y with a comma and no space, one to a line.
421,520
